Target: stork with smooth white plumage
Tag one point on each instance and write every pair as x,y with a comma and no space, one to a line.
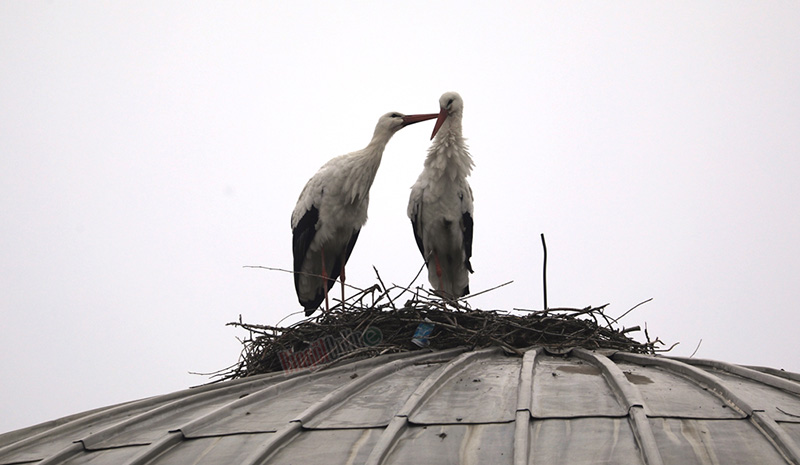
331,210
440,205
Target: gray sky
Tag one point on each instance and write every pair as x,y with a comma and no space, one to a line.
150,150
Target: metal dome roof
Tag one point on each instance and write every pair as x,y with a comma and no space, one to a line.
452,406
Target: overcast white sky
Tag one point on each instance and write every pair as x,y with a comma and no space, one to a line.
150,150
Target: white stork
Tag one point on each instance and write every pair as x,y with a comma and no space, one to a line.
331,210
440,205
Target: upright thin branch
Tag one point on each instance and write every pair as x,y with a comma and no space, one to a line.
544,272
385,289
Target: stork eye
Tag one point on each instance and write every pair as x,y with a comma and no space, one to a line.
395,115
449,102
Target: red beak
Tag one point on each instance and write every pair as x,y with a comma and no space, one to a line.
411,119
439,122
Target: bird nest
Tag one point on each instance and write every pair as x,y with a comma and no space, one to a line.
358,330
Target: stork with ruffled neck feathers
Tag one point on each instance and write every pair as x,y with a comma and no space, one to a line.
331,210
440,205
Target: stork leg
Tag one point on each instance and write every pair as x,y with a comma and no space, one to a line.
438,270
324,278
341,277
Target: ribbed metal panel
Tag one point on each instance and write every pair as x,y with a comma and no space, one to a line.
453,406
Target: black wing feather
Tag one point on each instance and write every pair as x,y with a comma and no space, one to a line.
351,244
302,235
417,237
337,264
467,220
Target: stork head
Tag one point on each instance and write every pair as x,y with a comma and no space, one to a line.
392,122
450,105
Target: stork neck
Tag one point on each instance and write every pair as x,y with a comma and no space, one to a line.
449,155
376,146
363,165
371,154
379,140
370,157
452,125
450,132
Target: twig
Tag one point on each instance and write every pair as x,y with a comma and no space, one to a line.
544,272
632,309
297,272
696,348
412,281
386,291
287,316
668,348
485,291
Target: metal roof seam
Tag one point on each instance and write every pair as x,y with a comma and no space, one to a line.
155,449
126,407
693,374
339,395
620,386
643,433
95,438
522,443
66,427
189,428
63,455
12,437
387,440
523,415
778,437
399,422
748,373
577,417
632,399
281,439
360,383
526,378
775,372
437,379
